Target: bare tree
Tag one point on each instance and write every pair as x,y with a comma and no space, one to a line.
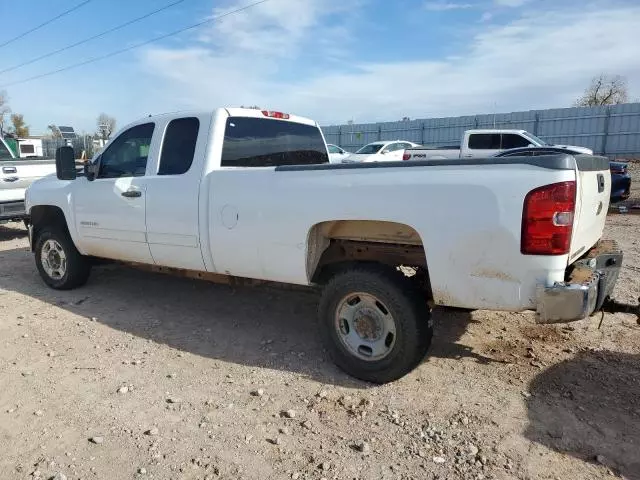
4,110
604,90
55,133
106,125
20,129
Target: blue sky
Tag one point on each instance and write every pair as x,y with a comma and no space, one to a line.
332,60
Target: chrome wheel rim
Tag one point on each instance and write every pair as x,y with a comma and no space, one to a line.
53,259
365,326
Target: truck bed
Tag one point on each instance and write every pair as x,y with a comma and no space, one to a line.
468,219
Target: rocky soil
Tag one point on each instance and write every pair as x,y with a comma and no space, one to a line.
140,375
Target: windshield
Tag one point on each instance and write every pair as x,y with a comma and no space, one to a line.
371,148
5,154
535,140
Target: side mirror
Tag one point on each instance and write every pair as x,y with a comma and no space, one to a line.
91,169
384,152
65,163
531,145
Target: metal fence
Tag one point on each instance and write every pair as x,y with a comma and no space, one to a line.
79,144
610,130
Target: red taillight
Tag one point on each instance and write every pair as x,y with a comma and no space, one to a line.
547,219
269,113
406,156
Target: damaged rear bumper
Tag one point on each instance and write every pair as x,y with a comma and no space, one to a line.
590,282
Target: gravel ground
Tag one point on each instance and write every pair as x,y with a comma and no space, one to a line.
140,375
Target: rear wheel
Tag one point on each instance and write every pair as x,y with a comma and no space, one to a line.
375,322
59,263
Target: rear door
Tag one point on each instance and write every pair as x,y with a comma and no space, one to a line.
172,190
592,203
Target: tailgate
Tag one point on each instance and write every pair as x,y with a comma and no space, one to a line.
592,203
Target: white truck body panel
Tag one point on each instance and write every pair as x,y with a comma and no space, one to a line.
256,221
15,176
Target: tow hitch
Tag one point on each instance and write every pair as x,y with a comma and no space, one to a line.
612,306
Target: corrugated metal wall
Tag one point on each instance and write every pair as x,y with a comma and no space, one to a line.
612,130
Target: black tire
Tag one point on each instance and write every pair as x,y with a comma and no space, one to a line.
406,304
78,267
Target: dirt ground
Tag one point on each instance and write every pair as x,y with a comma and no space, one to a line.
140,375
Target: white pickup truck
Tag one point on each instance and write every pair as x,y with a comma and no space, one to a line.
15,176
484,143
248,193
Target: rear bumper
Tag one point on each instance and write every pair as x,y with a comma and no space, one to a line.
591,281
12,210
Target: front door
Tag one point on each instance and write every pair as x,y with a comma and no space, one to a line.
110,213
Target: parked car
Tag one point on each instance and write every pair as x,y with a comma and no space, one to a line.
249,193
620,178
485,143
336,154
389,151
15,176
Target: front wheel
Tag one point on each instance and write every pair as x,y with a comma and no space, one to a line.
375,322
59,263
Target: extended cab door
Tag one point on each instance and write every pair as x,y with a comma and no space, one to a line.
110,210
173,187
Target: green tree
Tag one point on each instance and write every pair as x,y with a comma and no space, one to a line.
20,128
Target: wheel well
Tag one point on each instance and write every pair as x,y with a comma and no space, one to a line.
46,215
337,244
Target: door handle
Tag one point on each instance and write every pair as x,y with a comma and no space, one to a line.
132,193
9,170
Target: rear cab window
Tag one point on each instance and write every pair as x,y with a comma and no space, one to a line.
267,142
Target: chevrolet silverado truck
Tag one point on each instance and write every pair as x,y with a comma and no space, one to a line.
15,176
238,194
485,143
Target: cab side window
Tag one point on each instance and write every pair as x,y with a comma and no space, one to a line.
179,146
127,155
484,141
510,140
392,147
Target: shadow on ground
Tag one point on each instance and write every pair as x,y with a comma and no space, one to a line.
589,407
256,326
7,233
